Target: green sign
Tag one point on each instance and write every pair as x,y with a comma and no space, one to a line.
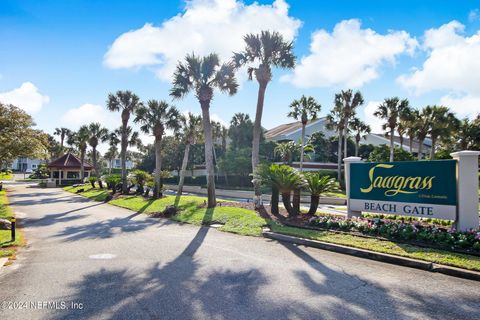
419,182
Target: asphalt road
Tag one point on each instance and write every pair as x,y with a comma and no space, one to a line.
102,262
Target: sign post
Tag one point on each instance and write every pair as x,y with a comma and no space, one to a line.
467,181
348,161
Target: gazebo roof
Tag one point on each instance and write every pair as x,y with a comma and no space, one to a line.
69,161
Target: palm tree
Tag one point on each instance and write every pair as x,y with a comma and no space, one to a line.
155,118
112,152
80,139
361,130
191,130
127,103
422,127
410,118
390,110
63,133
347,102
97,133
202,75
263,50
336,122
285,151
317,185
404,119
240,131
306,109
442,124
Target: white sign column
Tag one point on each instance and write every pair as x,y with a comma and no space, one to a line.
467,186
347,162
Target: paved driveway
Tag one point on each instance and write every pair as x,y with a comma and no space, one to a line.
103,262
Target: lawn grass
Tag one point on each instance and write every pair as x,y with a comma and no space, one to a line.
6,176
405,250
6,212
235,220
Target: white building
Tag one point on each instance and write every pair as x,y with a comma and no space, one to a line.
117,164
293,132
26,164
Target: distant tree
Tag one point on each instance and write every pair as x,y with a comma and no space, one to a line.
190,132
112,152
468,134
360,130
443,124
240,131
80,140
321,146
305,109
382,154
262,52
62,133
390,111
155,118
127,103
203,75
97,134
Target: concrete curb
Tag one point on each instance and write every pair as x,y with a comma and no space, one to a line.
383,257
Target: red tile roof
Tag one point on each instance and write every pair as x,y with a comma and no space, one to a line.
69,161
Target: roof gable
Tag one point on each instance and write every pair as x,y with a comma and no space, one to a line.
69,160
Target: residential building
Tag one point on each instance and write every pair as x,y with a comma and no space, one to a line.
117,164
26,164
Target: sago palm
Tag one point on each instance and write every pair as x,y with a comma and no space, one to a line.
317,185
154,118
202,76
191,130
360,129
97,134
304,110
390,111
127,103
262,52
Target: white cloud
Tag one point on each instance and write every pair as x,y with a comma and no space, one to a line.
374,123
205,26
88,113
27,97
463,105
452,65
349,56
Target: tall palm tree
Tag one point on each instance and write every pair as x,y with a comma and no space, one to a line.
79,139
202,75
97,133
390,110
336,122
264,50
410,118
306,109
361,130
404,119
191,130
126,102
442,125
155,118
63,133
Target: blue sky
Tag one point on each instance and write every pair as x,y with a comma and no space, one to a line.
60,59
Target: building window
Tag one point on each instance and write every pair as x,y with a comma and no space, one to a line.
73,175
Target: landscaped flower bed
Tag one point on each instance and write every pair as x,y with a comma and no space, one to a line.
412,232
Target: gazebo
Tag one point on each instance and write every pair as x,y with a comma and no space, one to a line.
67,169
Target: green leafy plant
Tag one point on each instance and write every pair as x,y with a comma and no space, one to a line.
317,185
92,180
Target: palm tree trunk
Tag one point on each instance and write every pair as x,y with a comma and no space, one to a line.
274,201
314,201
303,147
111,165
432,151
391,144
345,143
401,141
286,202
182,173
82,167
158,166
123,157
207,132
339,157
357,142
420,148
94,159
257,132
410,143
